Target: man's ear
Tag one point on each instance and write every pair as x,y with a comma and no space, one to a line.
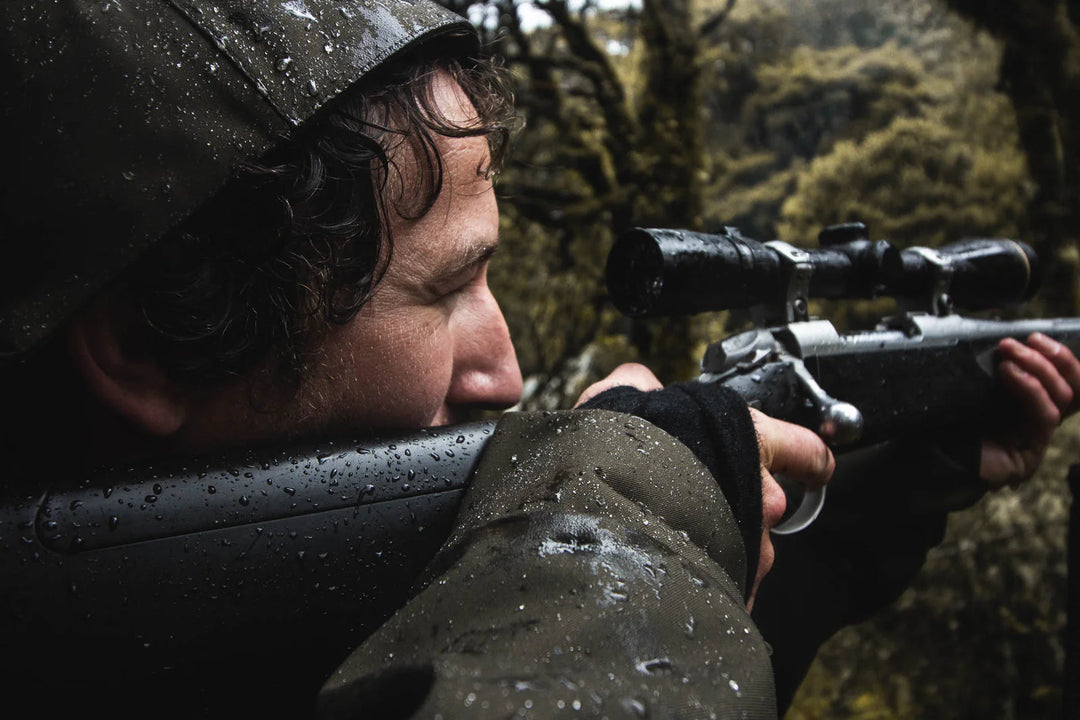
121,374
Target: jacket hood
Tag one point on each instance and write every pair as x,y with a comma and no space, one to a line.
123,116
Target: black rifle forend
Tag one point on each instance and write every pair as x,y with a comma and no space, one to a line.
664,272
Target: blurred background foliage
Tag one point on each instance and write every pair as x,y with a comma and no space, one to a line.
929,120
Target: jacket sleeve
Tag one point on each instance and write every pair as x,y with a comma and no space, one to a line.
595,571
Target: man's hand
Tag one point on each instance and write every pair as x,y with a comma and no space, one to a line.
784,448
630,374
1044,377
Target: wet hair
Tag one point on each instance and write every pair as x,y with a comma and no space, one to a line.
297,243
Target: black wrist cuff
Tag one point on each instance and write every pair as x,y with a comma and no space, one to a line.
715,423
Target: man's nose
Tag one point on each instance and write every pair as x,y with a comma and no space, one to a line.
486,372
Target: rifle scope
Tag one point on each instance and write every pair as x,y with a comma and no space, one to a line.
661,272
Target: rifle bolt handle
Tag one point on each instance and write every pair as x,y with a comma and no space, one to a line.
841,423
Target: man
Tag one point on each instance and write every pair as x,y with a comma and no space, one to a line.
288,239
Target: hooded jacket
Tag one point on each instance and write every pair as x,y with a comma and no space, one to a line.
124,116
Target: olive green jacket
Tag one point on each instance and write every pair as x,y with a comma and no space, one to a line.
595,571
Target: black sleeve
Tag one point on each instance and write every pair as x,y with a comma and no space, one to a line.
714,422
887,506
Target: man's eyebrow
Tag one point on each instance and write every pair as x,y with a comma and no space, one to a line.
469,257
463,261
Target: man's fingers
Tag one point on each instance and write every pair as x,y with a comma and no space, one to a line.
793,451
1067,364
630,374
1044,377
1038,362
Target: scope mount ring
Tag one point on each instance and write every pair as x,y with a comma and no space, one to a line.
940,302
798,270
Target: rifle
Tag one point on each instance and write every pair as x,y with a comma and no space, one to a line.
270,565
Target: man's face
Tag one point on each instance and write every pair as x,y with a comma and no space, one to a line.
431,341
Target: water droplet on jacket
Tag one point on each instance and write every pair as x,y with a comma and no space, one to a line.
283,64
114,522
244,500
655,665
211,489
